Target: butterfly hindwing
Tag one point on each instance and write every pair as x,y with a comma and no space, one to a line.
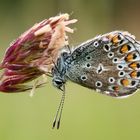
108,63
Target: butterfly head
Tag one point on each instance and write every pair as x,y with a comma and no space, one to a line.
59,71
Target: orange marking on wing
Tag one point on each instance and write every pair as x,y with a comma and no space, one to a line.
115,39
133,74
125,82
129,57
133,65
124,49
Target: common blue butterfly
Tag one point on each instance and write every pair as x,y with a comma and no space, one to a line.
109,64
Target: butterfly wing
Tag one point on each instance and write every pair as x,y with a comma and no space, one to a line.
109,63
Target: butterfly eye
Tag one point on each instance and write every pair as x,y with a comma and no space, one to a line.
96,44
58,82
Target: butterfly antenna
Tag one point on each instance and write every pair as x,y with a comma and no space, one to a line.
55,66
59,110
69,49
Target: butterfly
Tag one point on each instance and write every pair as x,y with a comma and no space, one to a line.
109,64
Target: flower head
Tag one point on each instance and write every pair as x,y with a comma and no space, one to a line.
33,53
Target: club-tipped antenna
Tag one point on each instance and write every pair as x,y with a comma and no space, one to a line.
59,111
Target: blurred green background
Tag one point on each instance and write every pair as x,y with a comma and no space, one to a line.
87,115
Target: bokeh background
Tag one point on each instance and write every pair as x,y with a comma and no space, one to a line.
87,115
